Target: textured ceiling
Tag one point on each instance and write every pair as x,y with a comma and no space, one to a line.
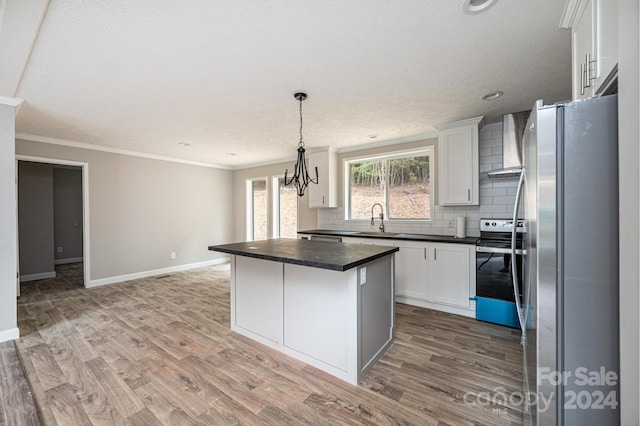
220,75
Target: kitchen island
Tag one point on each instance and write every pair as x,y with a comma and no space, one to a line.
328,304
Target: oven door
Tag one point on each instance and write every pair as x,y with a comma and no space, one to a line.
493,272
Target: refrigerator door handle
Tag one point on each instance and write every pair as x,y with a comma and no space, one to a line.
499,250
514,265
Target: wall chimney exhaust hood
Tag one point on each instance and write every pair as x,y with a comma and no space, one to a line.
512,132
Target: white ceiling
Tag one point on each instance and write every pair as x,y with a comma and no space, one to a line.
220,75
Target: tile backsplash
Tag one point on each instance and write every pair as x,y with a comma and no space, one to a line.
497,197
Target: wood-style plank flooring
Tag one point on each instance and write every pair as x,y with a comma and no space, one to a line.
16,403
159,351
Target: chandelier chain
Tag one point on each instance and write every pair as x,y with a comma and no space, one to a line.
301,143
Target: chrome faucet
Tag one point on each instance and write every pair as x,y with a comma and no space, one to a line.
381,227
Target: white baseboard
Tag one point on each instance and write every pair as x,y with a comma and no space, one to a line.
40,276
11,334
68,260
467,312
154,272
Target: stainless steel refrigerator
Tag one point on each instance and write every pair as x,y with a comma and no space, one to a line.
569,312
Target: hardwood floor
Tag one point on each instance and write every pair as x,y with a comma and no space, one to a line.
159,351
16,403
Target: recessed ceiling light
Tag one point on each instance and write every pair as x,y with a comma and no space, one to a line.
372,136
491,96
471,7
184,144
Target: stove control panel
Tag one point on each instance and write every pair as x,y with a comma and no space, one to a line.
502,225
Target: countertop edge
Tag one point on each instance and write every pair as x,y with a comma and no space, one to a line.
312,264
415,237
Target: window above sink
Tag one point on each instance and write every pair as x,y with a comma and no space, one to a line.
401,181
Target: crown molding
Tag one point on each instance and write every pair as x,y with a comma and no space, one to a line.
265,163
571,9
479,121
14,102
94,147
390,142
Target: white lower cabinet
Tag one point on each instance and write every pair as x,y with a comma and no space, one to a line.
412,270
437,276
451,274
440,276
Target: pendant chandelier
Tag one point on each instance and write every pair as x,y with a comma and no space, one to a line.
300,178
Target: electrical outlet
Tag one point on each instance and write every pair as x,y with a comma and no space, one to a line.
363,275
59,249
449,223
173,255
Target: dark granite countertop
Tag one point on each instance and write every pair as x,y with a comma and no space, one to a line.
316,254
393,236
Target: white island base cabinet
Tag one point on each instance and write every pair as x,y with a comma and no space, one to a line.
339,322
265,299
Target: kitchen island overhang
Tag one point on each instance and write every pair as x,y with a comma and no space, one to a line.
328,304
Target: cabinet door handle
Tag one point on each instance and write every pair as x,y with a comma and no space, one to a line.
435,253
425,253
468,194
588,69
323,200
581,79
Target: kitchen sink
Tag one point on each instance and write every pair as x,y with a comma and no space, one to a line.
377,234
415,236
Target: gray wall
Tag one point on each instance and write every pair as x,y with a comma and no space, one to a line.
35,220
8,252
141,210
67,213
306,216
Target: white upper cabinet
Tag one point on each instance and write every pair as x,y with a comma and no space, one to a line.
607,44
594,45
325,193
458,162
583,50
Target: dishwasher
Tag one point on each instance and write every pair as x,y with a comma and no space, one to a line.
316,237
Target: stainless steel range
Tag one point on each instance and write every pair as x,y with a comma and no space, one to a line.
495,295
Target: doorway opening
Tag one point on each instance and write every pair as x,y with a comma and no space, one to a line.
53,221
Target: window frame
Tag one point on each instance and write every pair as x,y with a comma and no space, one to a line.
272,212
275,206
249,203
387,156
